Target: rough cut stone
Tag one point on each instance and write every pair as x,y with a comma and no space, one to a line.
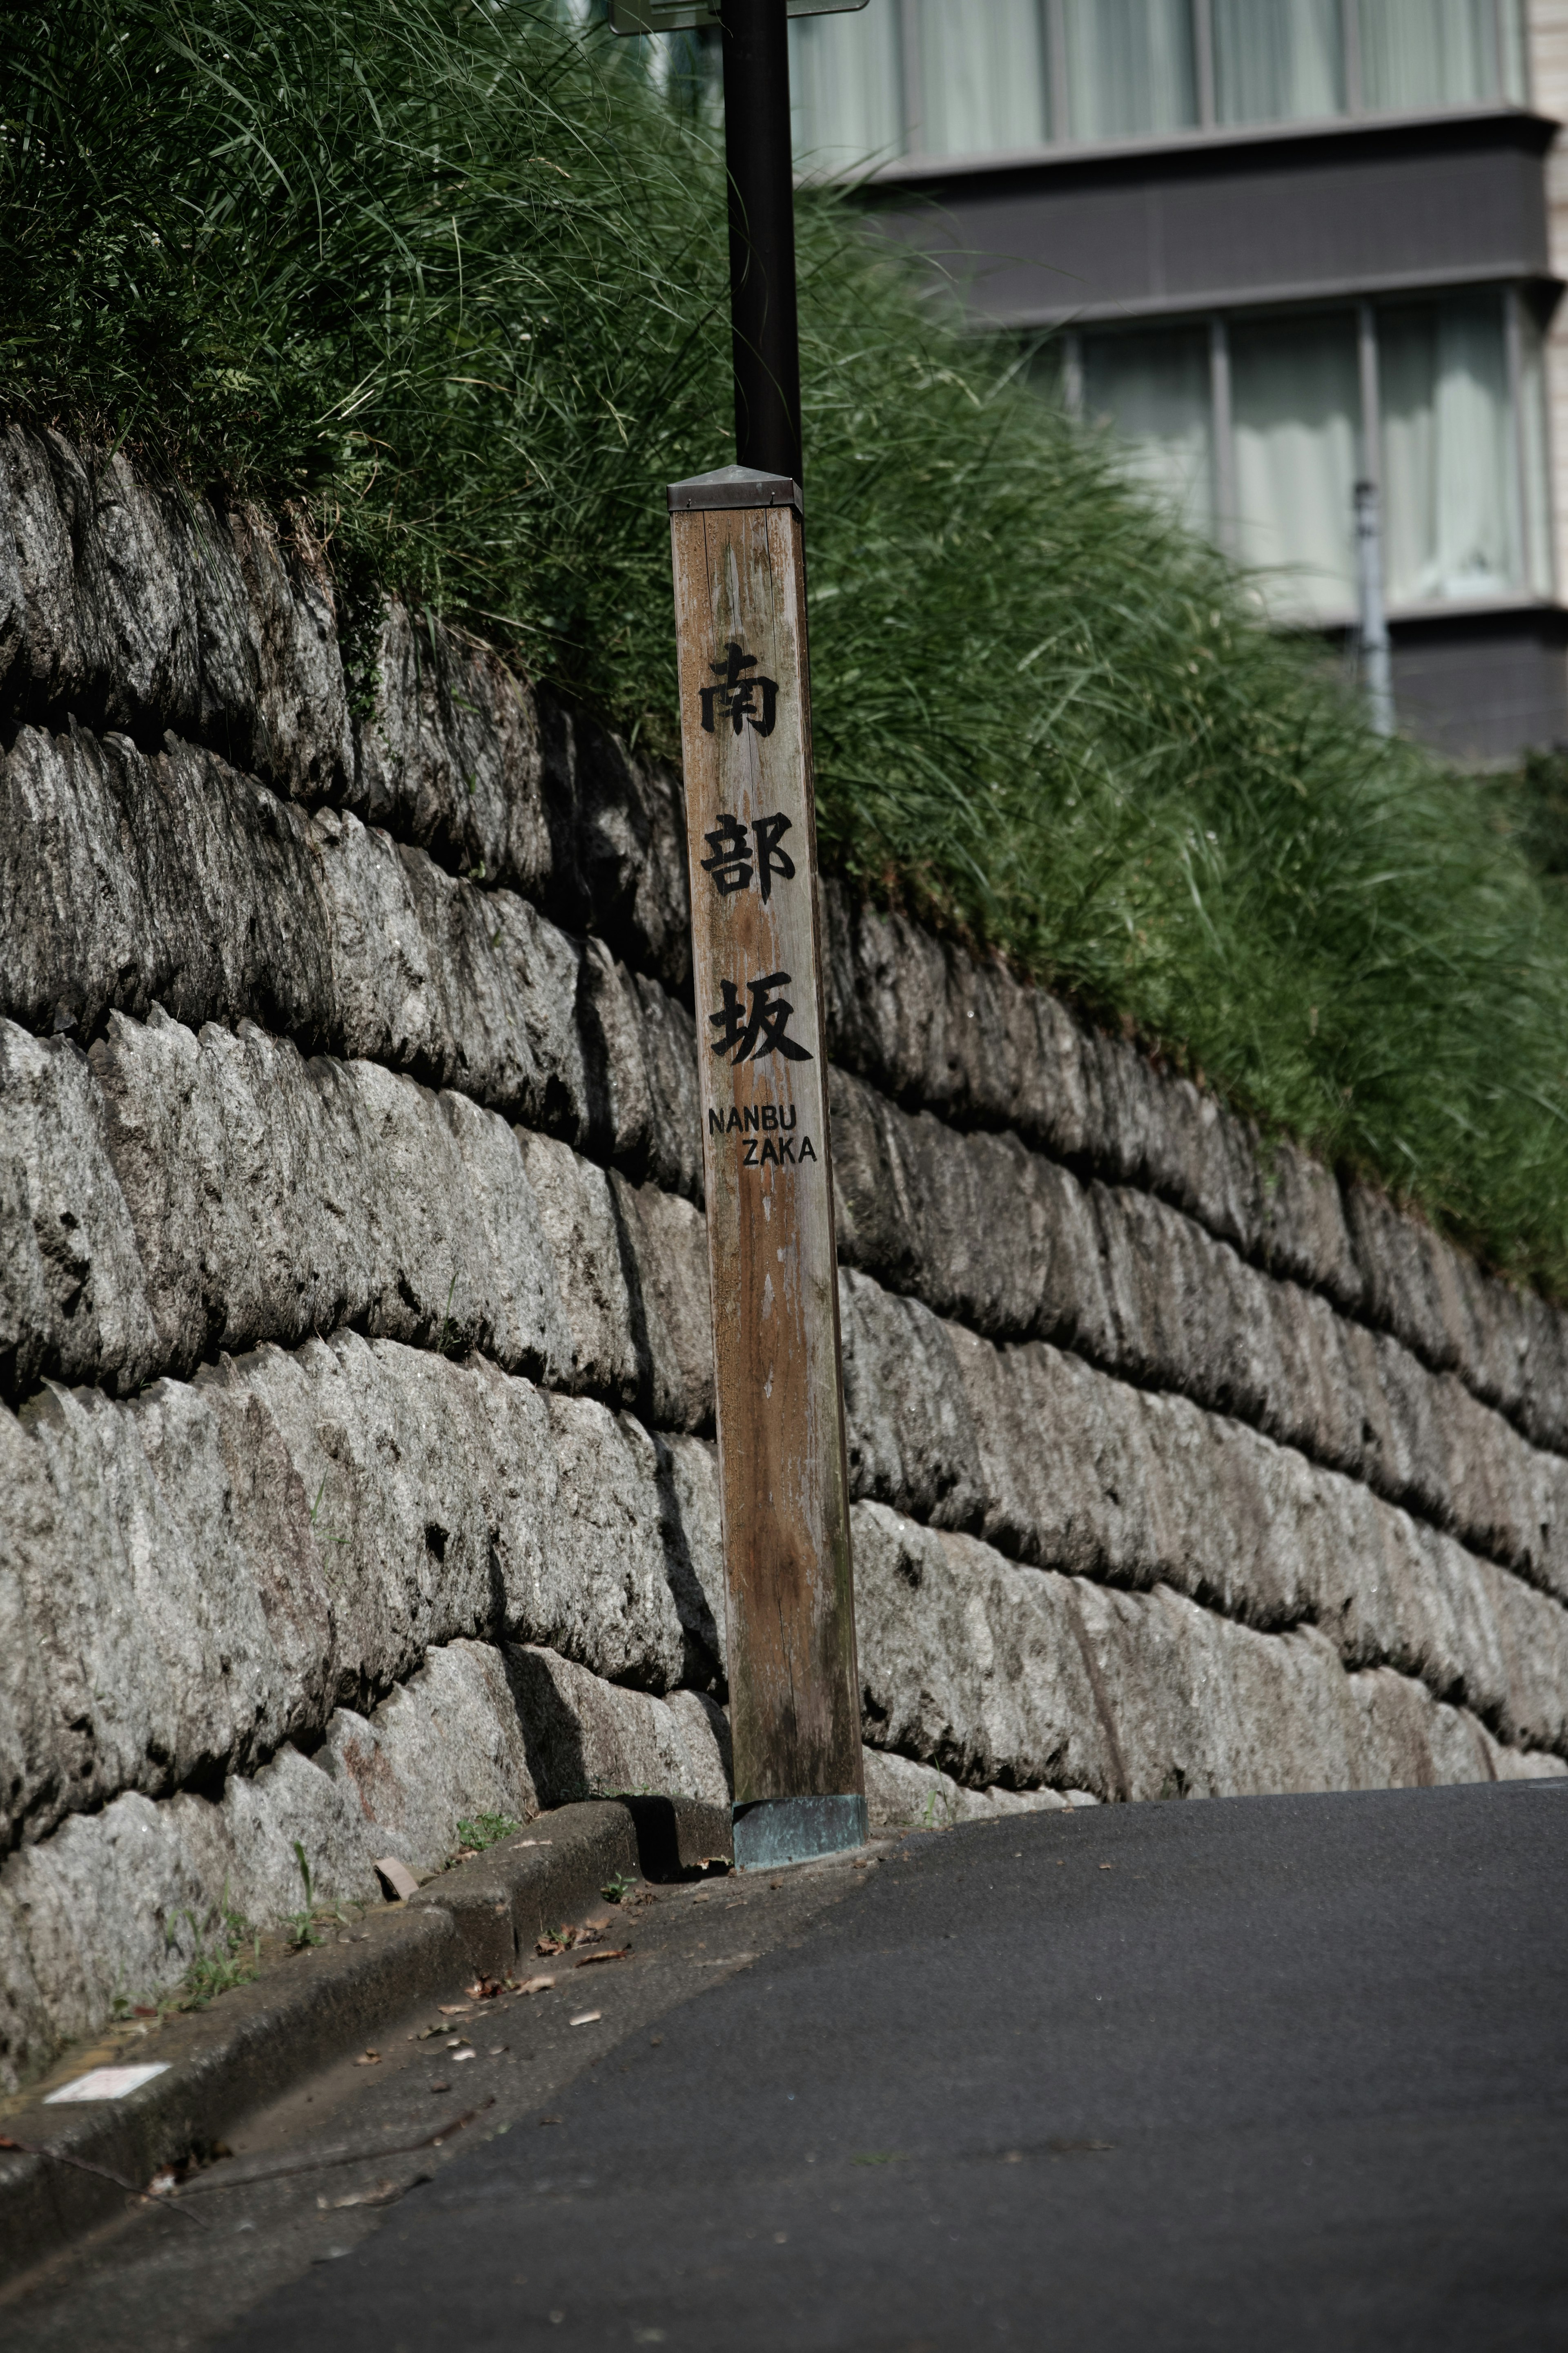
602,1286
208,1570
185,1192
176,880
587,1739
269,1198
928,1027
145,611
112,1907
152,612
991,1672
618,835
121,607
72,1285
1081,1474
115,1905
910,1427
1014,1245
1180,1469
900,1794
448,757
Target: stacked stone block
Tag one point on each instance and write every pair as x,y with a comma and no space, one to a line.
358,1471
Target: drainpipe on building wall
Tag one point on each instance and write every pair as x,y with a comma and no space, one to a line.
1375,662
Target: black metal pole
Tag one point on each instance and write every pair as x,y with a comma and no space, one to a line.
764,326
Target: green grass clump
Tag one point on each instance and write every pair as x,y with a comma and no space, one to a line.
458,279
485,1830
226,1952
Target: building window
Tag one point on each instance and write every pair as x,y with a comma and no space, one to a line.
1421,54
1454,526
845,87
982,76
1130,68
1278,60
1153,391
1256,431
1295,417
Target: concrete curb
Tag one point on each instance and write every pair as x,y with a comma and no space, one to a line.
308,2009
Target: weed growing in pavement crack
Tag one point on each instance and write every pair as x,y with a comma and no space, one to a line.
302,1925
223,1962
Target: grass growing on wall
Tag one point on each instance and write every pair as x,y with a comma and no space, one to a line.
461,280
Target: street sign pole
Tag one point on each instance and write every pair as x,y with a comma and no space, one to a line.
739,553
795,1716
760,168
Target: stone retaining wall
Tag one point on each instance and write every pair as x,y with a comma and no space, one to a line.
358,1473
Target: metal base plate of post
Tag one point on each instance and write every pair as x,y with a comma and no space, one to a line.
771,1831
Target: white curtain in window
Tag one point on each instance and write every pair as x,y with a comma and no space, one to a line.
1152,390
983,76
1130,68
1532,450
1515,72
1450,474
1419,53
1276,61
1295,404
845,90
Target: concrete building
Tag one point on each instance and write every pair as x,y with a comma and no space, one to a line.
1274,247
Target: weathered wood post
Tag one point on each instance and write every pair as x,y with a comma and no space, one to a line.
746,720
745,705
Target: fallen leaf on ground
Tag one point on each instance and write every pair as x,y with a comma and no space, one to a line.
552,2120
535,1985
368,2058
587,2018
484,1988
395,1877
1108,1866
517,1842
440,2087
497,2047
622,1953
1080,2147
455,2008
458,2056
382,2193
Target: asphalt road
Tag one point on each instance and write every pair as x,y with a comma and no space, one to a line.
1263,2073
1266,2073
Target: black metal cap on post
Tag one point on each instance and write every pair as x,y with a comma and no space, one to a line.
762,236
735,486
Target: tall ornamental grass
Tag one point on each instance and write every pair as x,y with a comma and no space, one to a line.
458,277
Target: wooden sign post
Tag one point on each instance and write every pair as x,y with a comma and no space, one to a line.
740,604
